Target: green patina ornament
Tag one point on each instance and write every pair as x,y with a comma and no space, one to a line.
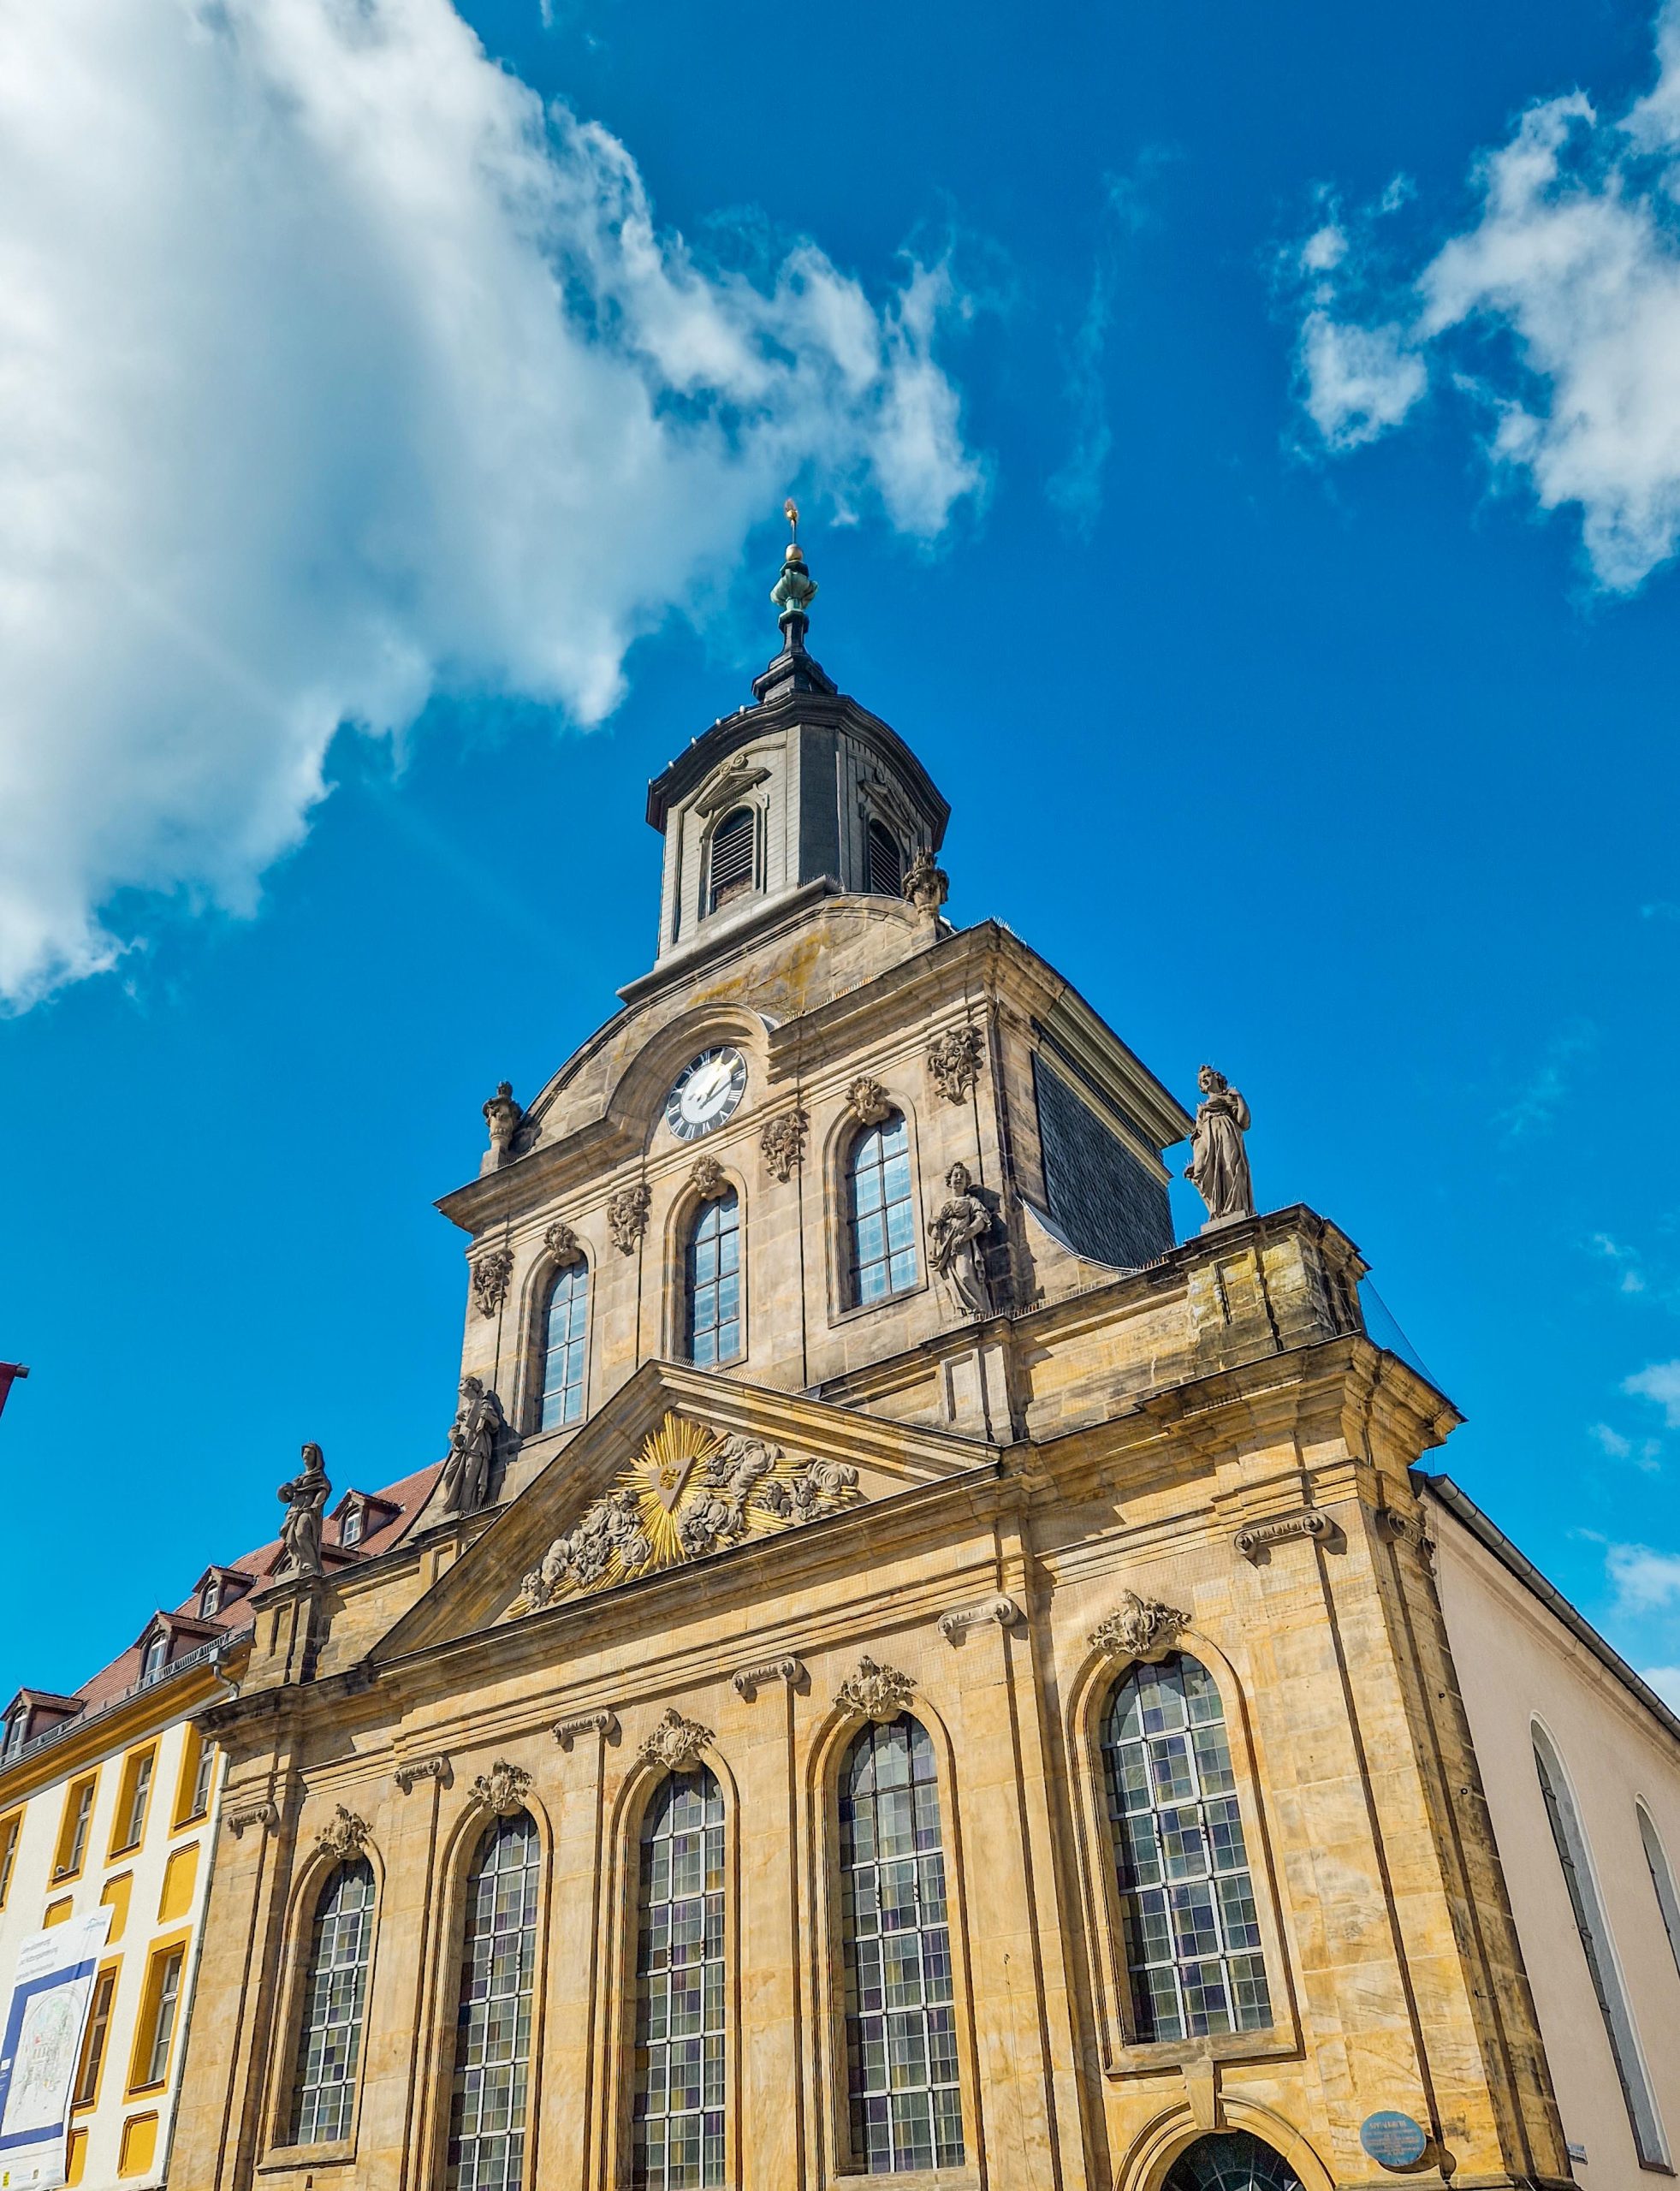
796,589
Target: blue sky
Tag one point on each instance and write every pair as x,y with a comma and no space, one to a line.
1271,560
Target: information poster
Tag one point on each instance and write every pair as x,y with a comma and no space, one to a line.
45,2019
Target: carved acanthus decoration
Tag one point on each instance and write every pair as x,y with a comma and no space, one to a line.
1142,1628
708,1178
926,884
436,1767
750,1679
783,1142
1311,1522
676,1743
869,1102
561,1243
490,1276
878,1693
503,1788
627,1216
953,1626
604,1723
690,1492
345,1838
503,1117
953,1061
266,1815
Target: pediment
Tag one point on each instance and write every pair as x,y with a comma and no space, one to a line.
680,1467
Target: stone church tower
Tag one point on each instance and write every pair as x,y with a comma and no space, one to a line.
906,1670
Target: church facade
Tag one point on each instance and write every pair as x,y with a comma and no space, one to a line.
908,1670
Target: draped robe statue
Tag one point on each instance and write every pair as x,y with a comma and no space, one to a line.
1219,1163
306,1497
467,1473
955,1234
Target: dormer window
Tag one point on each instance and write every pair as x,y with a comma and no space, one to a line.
350,1528
886,862
16,1730
210,1599
156,1656
733,843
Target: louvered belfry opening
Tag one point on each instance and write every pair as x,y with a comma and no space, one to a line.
731,857
885,863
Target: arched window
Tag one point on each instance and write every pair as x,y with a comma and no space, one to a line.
677,2141
1589,1918
335,1998
886,862
882,1217
1662,1879
712,1283
563,1347
157,1655
1192,1932
733,843
488,2100
906,2102
1231,2160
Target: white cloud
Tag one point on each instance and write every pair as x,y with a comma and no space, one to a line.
1611,1441
1631,1279
1571,266
1665,1680
1645,1581
1538,1100
1660,1382
333,372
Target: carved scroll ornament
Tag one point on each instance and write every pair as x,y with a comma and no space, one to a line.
1311,1522
604,1723
783,1142
266,1815
627,1216
1142,1628
491,1275
875,1692
345,1838
503,1788
953,1061
676,1743
749,1680
953,1626
436,1767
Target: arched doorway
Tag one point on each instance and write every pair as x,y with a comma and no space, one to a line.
1231,2160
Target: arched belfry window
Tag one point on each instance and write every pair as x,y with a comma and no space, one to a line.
885,856
712,1283
881,1216
335,2002
1192,1931
565,1332
677,2133
904,2100
1595,1944
490,2095
729,869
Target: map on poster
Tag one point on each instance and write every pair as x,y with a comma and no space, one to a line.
41,2030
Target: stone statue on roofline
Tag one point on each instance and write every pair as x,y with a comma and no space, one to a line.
479,1421
1219,1162
305,1498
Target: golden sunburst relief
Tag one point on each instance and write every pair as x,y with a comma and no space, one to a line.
690,1492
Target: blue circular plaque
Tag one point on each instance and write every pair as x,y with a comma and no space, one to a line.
1393,2139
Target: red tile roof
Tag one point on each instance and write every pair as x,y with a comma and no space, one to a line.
406,1496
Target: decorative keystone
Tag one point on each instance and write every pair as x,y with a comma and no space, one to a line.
676,1743
345,1838
875,1692
708,1178
503,1789
561,1243
1142,1628
869,1102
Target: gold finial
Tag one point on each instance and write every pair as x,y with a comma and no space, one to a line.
790,510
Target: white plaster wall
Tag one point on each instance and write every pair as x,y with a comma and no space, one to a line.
1517,1662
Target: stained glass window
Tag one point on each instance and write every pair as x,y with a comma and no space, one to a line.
330,2038
712,1283
1192,1931
488,2100
906,2102
681,2027
563,1353
882,1217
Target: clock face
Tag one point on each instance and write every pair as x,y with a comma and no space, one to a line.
705,1093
